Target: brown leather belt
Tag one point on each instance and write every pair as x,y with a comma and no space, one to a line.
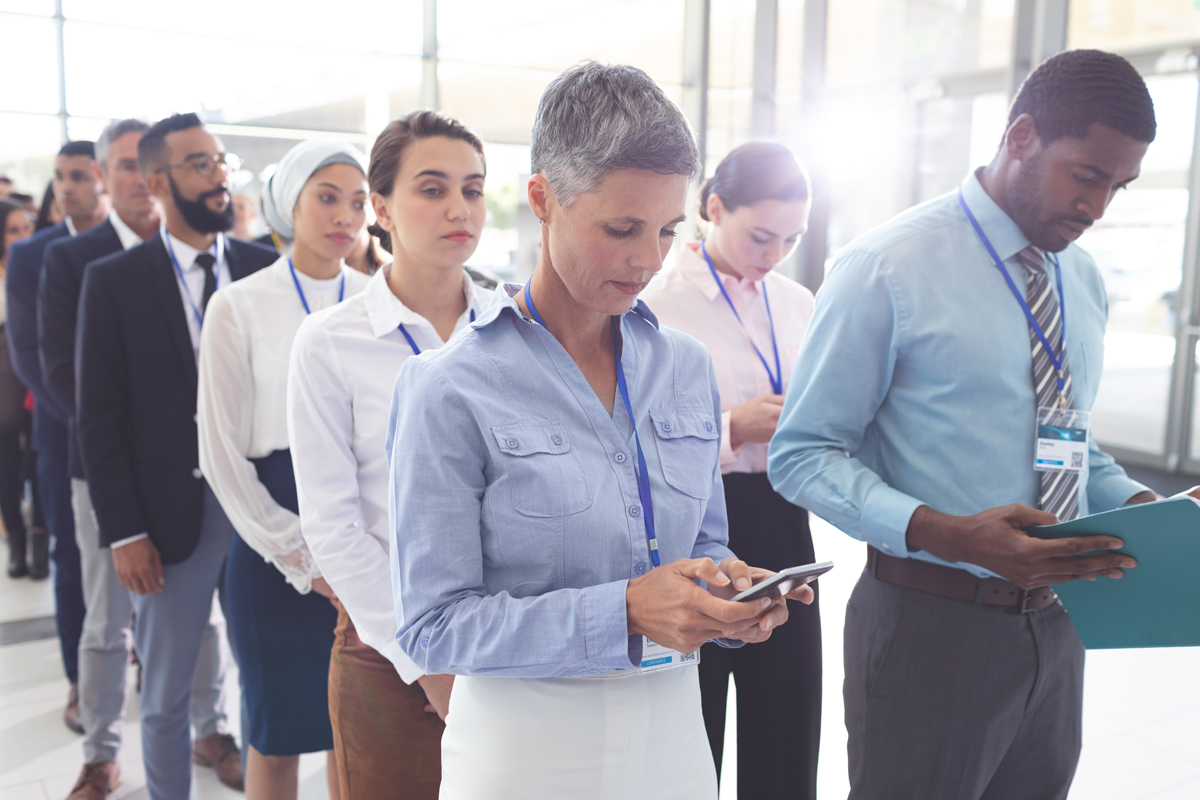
956,584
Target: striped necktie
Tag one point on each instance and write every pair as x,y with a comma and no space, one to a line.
1060,488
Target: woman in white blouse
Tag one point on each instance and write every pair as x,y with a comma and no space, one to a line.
725,292
426,178
281,619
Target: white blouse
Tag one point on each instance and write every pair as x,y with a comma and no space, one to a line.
344,366
245,348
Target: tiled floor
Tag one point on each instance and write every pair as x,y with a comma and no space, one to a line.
1141,741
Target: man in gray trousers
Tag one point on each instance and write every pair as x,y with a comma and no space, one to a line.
104,647
943,342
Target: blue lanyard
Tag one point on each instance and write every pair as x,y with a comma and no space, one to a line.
188,292
776,378
642,473
303,301
1056,360
416,350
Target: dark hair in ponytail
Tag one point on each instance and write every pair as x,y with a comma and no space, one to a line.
396,137
753,172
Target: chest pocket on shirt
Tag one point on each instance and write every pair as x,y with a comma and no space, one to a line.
545,475
687,448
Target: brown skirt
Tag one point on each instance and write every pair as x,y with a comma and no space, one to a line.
386,744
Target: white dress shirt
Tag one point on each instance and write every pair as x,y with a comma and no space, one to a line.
129,239
344,364
191,288
687,297
241,409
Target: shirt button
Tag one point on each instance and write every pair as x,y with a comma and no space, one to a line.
708,426
666,426
635,511
556,439
425,643
887,546
511,443
640,568
619,458
196,473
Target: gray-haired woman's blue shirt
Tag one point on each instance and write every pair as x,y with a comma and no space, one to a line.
516,519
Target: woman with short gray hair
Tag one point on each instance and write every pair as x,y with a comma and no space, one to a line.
556,493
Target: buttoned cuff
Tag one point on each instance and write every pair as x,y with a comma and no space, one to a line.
883,520
1106,492
406,668
129,540
606,636
728,453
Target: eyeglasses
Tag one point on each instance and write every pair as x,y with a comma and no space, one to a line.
205,166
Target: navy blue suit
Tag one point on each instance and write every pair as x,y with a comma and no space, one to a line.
50,436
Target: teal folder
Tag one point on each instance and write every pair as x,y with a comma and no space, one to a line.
1157,603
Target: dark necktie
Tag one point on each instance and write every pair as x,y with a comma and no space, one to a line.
1060,488
206,262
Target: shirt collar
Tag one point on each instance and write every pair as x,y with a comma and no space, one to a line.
70,226
129,239
1004,234
385,311
186,254
503,299
695,269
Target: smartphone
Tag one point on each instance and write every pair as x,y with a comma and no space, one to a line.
785,581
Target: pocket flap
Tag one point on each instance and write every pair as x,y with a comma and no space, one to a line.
527,438
676,423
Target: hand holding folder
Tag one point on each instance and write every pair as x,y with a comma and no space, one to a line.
1156,604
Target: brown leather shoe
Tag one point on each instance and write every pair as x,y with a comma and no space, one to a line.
71,714
96,780
220,752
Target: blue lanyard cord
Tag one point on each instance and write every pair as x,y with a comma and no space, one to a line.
416,350
642,473
179,273
300,290
1056,360
776,377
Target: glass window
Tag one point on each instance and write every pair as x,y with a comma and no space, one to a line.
1138,246
789,70
27,150
730,77
31,55
356,27
43,8
1123,24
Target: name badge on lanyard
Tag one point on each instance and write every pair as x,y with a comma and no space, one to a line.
655,657
1061,442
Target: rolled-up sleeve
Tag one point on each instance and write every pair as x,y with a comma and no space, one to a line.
840,380
448,621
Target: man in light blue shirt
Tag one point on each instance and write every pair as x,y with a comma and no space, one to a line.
911,422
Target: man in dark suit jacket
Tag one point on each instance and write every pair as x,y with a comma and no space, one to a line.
138,341
103,647
86,206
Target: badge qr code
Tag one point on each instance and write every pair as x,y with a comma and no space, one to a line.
1077,460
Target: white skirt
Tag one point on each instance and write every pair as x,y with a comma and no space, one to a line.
612,737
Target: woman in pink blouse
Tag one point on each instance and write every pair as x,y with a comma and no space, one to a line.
725,292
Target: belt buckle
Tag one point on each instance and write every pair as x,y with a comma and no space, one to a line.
1023,602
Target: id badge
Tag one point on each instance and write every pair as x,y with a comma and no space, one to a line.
1062,440
656,658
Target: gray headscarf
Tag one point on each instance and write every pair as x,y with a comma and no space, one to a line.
283,188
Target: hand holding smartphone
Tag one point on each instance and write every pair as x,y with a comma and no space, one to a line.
784,581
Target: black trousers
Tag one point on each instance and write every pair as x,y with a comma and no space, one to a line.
778,681
12,478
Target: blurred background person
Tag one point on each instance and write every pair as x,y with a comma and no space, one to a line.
426,179
247,226
15,420
86,205
50,212
726,292
280,610
6,187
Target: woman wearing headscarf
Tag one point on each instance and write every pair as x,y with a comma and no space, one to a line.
558,517
281,618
